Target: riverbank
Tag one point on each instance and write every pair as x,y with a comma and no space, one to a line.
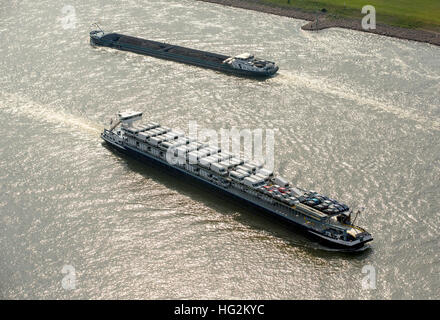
322,20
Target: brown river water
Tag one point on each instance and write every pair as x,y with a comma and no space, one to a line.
356,116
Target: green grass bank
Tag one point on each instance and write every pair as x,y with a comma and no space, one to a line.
412,14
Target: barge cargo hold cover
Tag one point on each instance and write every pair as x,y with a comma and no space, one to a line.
243,65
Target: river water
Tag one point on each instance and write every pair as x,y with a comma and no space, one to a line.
356,116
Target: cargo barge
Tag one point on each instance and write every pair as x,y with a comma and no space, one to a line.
322,217
243,65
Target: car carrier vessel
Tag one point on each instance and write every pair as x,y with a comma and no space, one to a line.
322,217
244,65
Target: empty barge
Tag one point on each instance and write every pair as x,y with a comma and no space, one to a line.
243,65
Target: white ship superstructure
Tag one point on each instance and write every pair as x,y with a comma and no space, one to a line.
248,62
249,181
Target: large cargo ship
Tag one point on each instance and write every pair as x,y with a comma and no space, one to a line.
322,217
245,64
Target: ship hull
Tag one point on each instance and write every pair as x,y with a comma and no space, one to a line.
200,62
310,233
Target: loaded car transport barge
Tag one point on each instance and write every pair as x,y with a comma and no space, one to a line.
322,217
243,65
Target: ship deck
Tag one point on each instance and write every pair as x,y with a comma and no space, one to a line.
165,47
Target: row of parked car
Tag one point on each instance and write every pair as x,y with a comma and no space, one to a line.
292,196
225,164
